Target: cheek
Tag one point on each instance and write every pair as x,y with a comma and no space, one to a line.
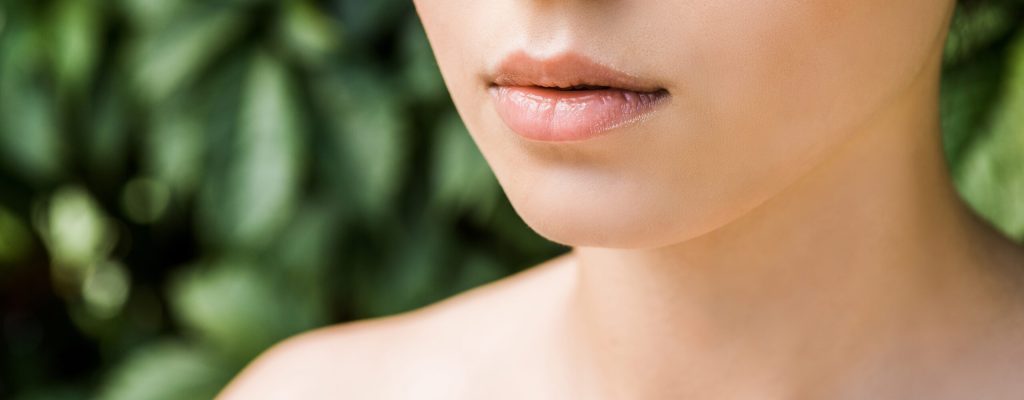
785,74
768,88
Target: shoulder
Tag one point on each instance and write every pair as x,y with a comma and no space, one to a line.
424,353
315,364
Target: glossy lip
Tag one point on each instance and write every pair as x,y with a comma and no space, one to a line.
569,97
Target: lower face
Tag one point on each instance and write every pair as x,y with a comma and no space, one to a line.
757,93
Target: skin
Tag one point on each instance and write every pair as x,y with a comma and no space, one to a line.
785,228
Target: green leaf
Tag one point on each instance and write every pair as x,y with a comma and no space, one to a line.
366,19
462,179
145,200
969,92
239,308
172,151
304,250
76,25
149,14
421,76
169,58
309,34
264,169
30,142
167,371
478,269
975,28
992,175
413,275
106,145
77,232
105,289
15,238
367,138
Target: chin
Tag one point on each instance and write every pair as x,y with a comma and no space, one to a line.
621,222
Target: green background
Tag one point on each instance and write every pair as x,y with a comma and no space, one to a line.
185,182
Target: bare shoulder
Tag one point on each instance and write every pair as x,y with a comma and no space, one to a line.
424,353
320,363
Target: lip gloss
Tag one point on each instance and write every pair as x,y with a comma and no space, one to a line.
568,97
547,114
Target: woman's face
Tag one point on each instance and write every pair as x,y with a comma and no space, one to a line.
759,93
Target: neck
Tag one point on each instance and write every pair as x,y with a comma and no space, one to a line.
871,250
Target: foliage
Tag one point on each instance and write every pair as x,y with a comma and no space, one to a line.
185,182
983,110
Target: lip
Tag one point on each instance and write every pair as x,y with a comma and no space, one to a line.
569,97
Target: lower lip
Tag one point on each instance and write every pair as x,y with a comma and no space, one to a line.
552,115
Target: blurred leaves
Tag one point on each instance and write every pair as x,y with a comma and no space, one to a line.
968,92
421,77
368,137
145,200
166,370
408,278
173,151
979,26
263,171
462,179
992,175
105,289
29,137
309,35
210,177
76,32
15,239
76,231
982,103
171,54
238,308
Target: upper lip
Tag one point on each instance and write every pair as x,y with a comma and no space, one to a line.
569,70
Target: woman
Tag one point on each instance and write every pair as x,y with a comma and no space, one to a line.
756,200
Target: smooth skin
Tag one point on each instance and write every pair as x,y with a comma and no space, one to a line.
786,228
